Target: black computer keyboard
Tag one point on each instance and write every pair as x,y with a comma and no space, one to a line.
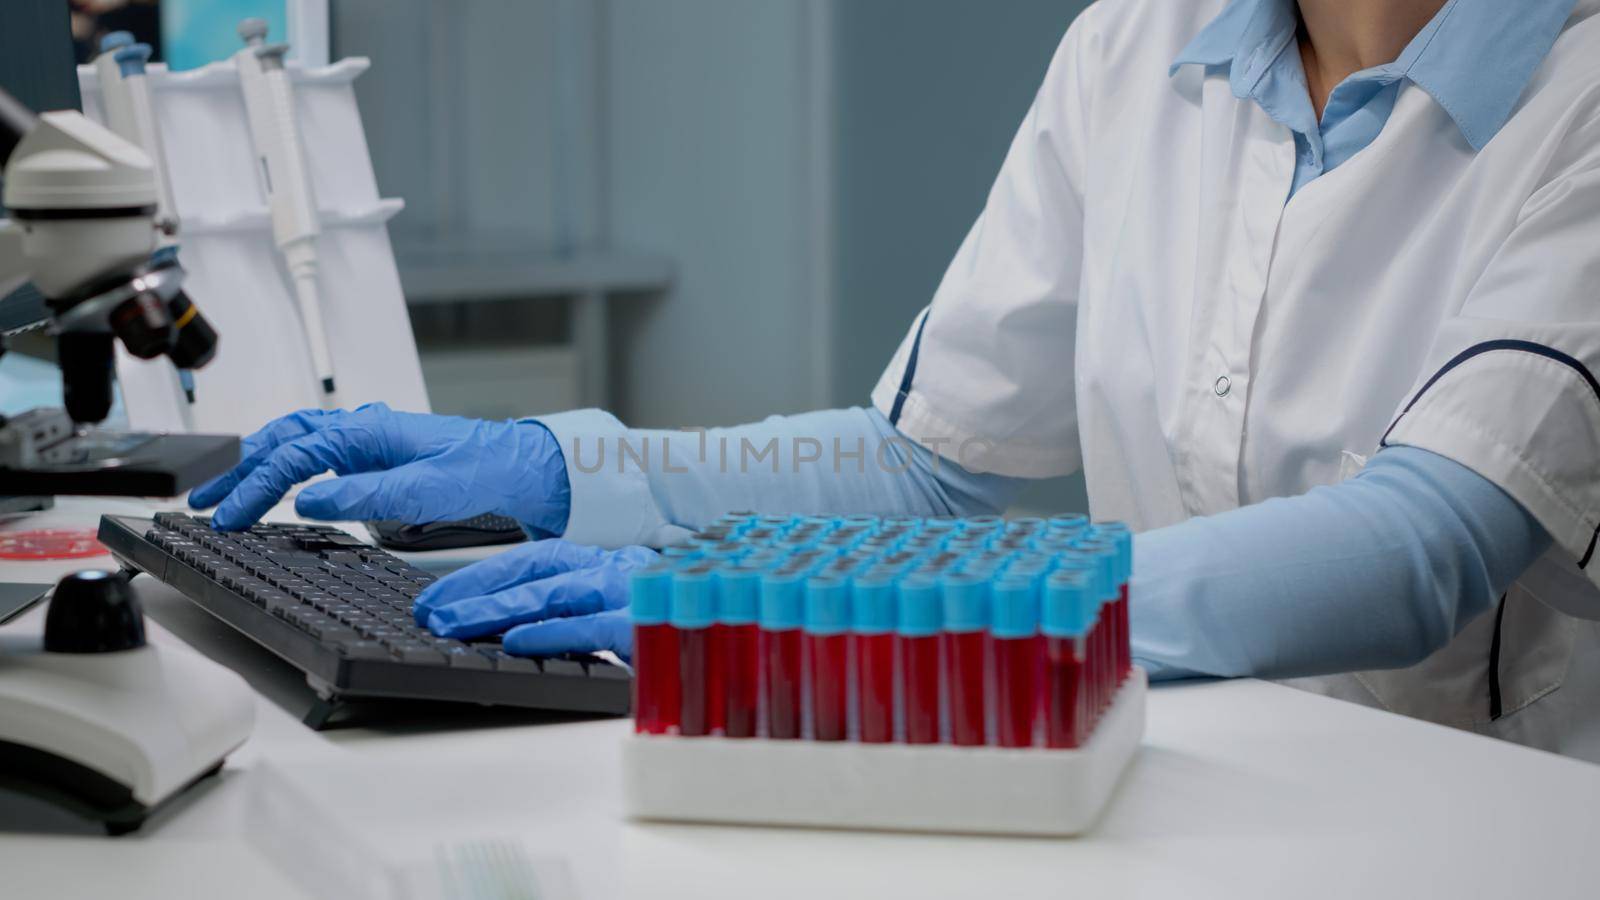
340,610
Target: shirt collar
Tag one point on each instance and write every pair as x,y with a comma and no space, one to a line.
1475,58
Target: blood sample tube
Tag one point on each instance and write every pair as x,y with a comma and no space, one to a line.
872,614
1122,538
827,640
782,613
1103,554
966,632
694,611
738,645
1062,620
1017,647
919,622
655,651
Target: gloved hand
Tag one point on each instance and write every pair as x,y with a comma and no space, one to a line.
405,466
555,596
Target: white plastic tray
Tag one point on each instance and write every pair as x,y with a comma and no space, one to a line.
897,787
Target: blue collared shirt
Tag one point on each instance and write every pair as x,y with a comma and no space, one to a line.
1474,58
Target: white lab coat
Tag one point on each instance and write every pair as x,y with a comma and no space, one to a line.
1137,299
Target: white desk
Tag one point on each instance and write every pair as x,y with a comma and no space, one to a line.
1243,789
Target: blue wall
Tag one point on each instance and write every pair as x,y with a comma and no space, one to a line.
929,94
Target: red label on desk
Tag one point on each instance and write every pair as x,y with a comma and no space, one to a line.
50,543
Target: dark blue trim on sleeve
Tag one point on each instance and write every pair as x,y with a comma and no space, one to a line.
911,371
1506,344
1485,347
1589,553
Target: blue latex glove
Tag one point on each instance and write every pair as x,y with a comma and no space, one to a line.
554,596
393,465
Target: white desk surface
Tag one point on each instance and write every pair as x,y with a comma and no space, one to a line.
1242,789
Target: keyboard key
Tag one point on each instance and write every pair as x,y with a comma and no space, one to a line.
365,650
467,658
608,672
505,662
556,666
278,605
418,654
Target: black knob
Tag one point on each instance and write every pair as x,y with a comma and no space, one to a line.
93,612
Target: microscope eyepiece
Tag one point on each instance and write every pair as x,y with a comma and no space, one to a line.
196,343
144,325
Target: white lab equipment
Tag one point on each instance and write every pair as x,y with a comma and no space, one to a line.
96,720
230,252
129,113
269,102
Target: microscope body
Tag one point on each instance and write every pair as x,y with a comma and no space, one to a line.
82,203
91,718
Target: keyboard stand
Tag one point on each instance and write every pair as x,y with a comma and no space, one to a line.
323,708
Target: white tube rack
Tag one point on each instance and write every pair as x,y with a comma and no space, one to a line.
895,787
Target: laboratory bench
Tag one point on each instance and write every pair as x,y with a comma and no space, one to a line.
1241,789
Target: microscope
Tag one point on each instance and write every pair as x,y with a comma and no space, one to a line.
82,203
92,718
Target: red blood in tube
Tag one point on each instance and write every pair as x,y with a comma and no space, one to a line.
964,652
1126,646
1089,684
741,673
784,668
694,672
875,683
1016,662
830,695
655,678
717,679
920,683
1097,668
1063,689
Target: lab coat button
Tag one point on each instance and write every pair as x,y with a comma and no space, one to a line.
1223,386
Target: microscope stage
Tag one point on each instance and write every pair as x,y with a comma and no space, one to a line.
123,464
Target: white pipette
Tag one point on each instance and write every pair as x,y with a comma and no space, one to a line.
130,112
269,104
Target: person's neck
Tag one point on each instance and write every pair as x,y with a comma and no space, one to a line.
1341,37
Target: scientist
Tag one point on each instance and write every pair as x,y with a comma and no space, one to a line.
1310,291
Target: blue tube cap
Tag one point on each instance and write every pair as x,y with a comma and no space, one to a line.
651,594
738,594
1065,608
872,602
966,601
1104,554
1070,523
921,607
1016,607
827,604
783,599
694,598
1121,537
